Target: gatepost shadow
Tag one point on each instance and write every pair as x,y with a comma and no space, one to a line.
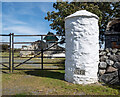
46,73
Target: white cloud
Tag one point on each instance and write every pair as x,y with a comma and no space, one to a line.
45,7
15,21
26,10
23,8
11,20
21,30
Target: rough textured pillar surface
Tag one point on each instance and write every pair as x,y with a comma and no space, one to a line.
82,47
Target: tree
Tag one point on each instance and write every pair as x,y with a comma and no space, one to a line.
5,47
105,12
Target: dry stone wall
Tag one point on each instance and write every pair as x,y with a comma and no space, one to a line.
109,66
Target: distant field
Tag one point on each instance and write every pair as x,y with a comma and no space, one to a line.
34,62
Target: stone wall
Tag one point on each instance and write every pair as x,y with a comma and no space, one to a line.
109,66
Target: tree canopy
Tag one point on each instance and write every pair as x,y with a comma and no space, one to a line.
4,47
104,10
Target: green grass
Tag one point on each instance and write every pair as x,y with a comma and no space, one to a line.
50,82
7,54
20,95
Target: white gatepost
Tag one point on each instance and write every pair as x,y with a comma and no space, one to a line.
82,47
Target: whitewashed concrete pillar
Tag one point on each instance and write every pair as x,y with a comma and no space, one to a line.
82,47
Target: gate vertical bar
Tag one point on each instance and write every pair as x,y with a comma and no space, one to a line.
10,53
41,52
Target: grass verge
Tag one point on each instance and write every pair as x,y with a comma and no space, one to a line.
49,82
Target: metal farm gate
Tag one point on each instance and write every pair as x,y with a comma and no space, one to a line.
7,59
35,61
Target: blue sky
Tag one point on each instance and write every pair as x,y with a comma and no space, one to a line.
26,18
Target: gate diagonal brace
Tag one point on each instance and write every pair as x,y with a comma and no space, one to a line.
4,65
39,53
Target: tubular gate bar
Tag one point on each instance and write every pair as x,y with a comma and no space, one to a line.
11,57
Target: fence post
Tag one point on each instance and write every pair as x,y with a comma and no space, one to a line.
12,68
41,53
10,53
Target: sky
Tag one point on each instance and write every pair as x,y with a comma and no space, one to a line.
26,18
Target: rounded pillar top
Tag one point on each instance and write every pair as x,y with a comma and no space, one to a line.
83,13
